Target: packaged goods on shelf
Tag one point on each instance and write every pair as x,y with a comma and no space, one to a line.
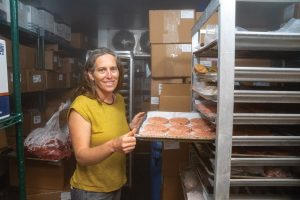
4,6
33,18
48,20
4,93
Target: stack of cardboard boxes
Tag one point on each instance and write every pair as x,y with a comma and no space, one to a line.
171,56
170,39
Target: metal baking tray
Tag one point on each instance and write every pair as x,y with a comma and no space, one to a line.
211,97
268,74
267,41
264,182
257,41
259,161
266,118
195,190
210,76
263,197
259,96
255,180
266,140
187,138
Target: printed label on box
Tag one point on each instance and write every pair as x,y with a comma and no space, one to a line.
37,119
60,77
186,48
37,78
155,100
187,14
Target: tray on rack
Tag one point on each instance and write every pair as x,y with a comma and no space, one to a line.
206,94
271,41
190,184
164,128
210,76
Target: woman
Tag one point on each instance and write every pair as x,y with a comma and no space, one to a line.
99,131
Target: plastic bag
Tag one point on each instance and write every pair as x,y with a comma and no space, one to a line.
49,142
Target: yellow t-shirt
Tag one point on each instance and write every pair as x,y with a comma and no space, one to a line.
107,122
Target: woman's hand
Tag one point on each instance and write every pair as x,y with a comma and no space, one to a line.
137,120
126,143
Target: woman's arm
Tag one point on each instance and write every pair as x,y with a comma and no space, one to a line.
80,132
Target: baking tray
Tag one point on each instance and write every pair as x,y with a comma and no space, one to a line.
266,118
166,137
264,182
191,185
210,76
259,96
266,140
207,96
268,74
267,41
255,180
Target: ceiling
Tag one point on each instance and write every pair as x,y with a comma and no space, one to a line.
88,16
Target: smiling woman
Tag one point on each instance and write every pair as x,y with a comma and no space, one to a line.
99,130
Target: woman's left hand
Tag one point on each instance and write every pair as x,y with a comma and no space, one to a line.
137,120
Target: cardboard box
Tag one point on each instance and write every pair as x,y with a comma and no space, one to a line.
55,80
172,189
43,175
213,20
175,156
171,60
156,85
171,26
72,79
3,139
23,80
68,65
27,55
35,80
4,93
52,60
32,119
80,41
175,98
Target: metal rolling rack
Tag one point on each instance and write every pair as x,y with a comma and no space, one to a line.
16,118
126,91
233,44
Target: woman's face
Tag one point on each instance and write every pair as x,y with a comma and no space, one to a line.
106,74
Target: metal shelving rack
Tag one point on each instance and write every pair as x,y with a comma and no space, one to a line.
126,91
232,44
16,118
